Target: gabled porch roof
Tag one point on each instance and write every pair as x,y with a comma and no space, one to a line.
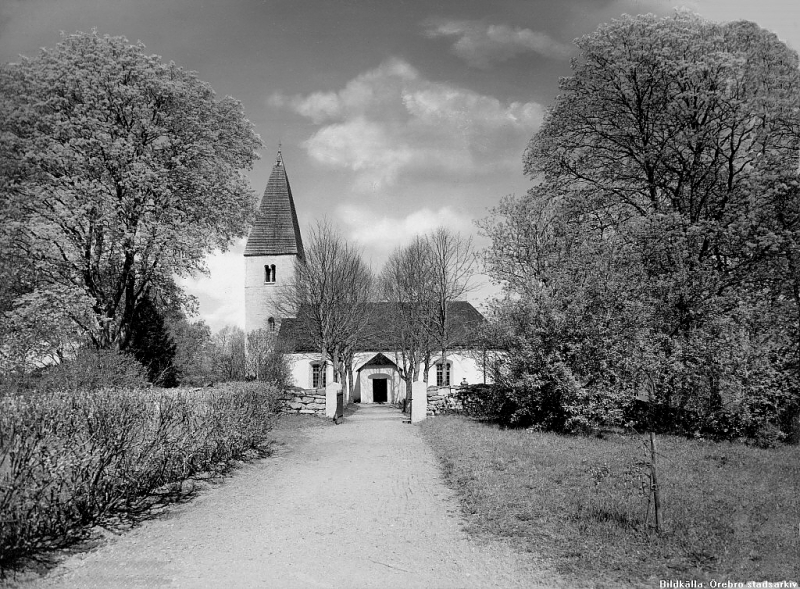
378,359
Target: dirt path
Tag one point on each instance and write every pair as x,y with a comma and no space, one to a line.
357,505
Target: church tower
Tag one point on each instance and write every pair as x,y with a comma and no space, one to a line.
273,247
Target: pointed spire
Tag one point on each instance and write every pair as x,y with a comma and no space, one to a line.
276,230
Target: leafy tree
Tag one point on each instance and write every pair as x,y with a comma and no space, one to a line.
570,321
659,241
39,329
662,135
119,172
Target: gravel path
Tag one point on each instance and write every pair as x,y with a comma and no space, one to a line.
361,504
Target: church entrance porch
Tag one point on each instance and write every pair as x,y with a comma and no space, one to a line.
377,381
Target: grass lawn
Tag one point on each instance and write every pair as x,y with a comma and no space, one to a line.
730,512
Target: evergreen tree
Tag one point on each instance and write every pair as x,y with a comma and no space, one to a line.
153,346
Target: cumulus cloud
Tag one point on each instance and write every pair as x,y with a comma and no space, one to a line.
380,233
481,44
391,120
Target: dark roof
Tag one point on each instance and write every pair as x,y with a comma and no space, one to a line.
463,320
276,230
378,360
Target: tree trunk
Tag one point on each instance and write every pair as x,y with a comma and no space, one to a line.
336,365
408,380
350,383
445,367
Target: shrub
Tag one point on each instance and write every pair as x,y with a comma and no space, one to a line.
486,401
70,459
549,398
91,370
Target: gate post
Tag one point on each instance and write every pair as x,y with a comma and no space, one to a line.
332,391
419,401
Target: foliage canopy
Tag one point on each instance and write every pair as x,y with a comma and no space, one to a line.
119,172
658,249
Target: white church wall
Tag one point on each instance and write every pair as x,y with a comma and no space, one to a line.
260,297
300,367
463,366
359,359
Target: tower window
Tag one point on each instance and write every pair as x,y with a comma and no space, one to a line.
271,324
269,273
443,374
318,375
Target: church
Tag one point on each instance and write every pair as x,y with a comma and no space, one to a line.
274,246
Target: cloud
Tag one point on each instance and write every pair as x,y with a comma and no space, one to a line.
480,44
380,234
391,120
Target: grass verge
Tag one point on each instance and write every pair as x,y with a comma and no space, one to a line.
731,512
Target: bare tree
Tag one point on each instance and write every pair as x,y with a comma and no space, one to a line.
452,265
421,281
407,285
265,360
331,291
227,353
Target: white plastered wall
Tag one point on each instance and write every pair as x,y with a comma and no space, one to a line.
300,368
463,366
261,298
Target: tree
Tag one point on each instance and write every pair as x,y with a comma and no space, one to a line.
265,360
152,345
406,283
451,267
571,319
661,135
193,349
119,172
420,281
228,353
659,238
38,330
331,291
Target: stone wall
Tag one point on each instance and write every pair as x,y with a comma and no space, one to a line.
305,402
441,400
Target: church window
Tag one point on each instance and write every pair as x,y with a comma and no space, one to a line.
271,324
318,375
443,374
269,273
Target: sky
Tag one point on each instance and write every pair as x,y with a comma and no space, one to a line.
393,117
